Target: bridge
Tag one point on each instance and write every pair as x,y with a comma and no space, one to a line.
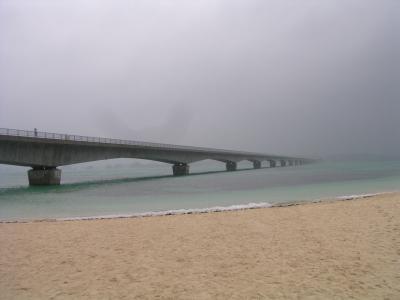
45,151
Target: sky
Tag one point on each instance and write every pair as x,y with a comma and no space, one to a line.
313,77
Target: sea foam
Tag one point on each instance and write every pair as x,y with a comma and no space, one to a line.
210,209
174,212
356,196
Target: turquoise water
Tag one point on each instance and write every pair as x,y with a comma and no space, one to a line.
128,186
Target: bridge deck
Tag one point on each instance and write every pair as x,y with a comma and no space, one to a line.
62,138
45,151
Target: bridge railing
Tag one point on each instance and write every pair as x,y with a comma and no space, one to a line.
80,138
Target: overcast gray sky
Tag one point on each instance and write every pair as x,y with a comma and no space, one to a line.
293,77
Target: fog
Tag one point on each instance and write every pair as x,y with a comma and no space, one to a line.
312,78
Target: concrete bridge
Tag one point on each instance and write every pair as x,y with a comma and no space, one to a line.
44,152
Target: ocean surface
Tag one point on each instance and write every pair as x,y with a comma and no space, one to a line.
129,187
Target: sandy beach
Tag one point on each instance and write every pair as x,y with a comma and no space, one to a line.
331,250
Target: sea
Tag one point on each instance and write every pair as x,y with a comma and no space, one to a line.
126,188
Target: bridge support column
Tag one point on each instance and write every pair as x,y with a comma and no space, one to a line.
180,169
283,163
272,163
290,162
44,176
257,164
231,166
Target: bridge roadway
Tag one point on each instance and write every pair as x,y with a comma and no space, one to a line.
44,152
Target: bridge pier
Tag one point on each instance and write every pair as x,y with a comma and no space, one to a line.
272,163
231,166
44,176
180,169
290,162
283,163
257,164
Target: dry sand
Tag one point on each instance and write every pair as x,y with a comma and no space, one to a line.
335,250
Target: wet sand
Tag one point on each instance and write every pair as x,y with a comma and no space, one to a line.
331,250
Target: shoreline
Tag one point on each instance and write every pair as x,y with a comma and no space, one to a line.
193,211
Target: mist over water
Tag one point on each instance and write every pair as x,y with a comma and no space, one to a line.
309,78
314,79
99,189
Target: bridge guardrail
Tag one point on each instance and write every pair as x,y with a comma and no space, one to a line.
80,138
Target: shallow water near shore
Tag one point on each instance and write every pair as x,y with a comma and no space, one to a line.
124,187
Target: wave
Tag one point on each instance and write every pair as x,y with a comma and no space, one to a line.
214,209
357,196
174,212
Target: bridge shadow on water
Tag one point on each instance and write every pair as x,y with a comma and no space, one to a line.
82,185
